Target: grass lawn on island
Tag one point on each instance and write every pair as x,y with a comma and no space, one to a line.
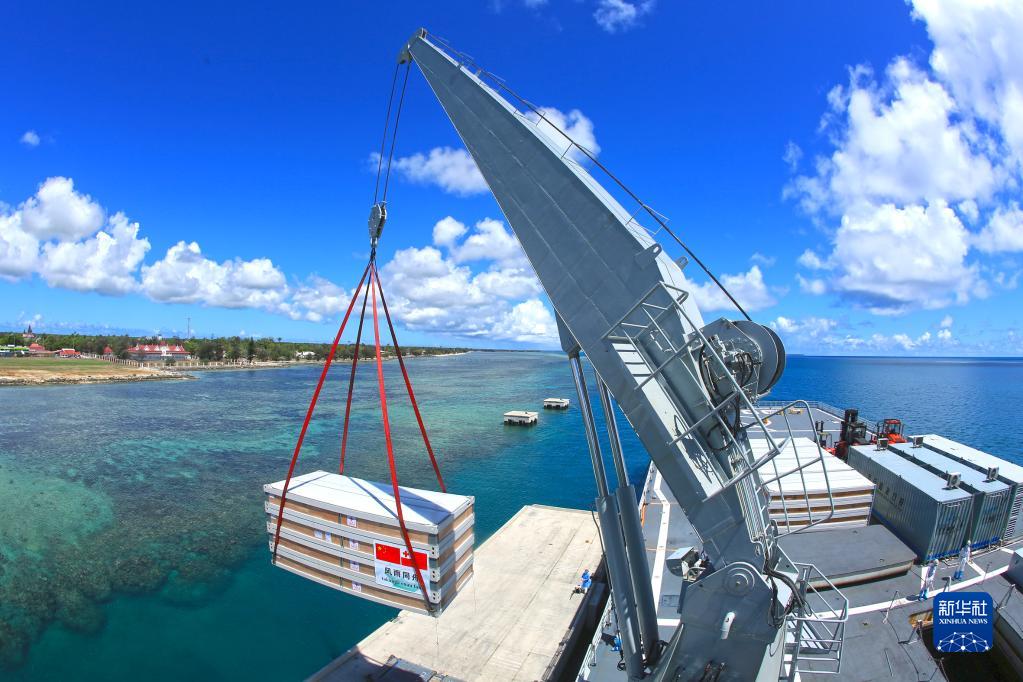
45,368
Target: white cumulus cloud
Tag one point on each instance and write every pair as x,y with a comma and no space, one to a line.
105,263
978,53
65,238
748,288
474,282
898,142
921,181
455,171
620,15
1003,232
809,259
811,285
574,124
894,259
57,211
184,275
447,231
316,300
490,240
812,327
19,250
30,138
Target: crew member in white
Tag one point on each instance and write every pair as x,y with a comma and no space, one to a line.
964,559
930,572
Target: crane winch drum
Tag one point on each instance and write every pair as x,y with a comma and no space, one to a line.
752,352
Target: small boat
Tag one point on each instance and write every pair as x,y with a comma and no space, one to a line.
520,418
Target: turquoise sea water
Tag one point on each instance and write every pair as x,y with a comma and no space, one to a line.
131,527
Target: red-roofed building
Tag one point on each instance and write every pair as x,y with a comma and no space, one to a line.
108,352
158,352
37,349
68,353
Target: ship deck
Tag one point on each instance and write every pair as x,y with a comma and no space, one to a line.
881,642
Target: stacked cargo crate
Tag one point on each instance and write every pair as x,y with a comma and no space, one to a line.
928,514
1006,472
805,496
343,532
991,497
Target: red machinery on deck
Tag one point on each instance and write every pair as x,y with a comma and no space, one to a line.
891,429
854,432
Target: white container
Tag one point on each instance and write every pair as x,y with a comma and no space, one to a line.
343,532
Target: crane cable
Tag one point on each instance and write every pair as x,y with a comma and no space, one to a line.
351,382
383,140
394,134
373,287
309,412
387,127
480,71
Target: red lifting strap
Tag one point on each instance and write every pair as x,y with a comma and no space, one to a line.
390,446
309,412
408,385
351,379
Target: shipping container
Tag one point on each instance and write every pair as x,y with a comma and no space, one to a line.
797,499
918,506
991,497
1008,473
343,532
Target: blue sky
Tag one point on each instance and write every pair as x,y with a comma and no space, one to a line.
852,169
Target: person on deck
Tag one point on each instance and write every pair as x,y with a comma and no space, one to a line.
930,573
584,582
965,554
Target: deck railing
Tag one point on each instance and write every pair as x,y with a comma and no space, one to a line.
817,629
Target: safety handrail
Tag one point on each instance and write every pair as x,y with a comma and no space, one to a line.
627,331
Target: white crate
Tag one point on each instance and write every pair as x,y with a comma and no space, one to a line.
343,532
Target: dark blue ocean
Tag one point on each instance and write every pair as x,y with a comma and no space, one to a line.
131,525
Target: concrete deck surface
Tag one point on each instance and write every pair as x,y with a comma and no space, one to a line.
507,624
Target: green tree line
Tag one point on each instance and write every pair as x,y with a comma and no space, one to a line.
213,348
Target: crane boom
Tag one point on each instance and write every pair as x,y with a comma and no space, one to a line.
683,385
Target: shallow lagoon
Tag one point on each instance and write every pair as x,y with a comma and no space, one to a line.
132,543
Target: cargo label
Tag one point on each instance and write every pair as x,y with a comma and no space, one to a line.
393,568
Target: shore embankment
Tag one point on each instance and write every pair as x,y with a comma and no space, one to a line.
96,370
66,371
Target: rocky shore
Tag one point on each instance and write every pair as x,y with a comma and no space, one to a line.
70,379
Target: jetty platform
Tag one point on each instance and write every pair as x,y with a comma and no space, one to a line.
515,620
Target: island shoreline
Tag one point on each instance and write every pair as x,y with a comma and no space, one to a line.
183,373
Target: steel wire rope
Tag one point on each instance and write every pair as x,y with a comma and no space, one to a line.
309,412
383,139
394,134
501,84
351,381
